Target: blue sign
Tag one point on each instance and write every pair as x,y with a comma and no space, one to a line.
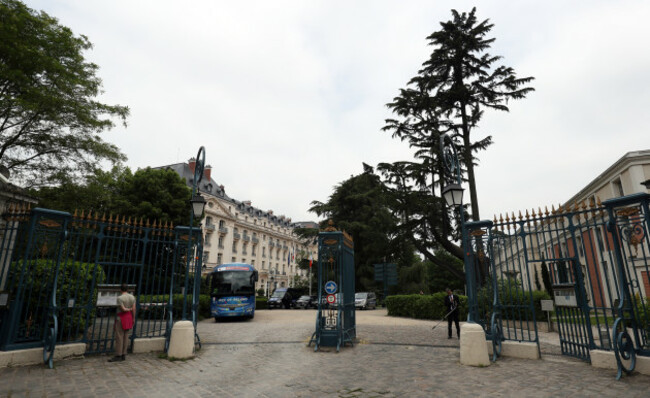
330,287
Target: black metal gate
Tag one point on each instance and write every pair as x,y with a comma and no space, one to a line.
60,275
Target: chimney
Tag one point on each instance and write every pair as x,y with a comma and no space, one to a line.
192,164
206,173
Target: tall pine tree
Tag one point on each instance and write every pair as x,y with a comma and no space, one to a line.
448,96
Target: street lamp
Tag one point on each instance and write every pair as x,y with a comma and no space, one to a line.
452,192
197,205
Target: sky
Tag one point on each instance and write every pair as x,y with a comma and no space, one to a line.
289,97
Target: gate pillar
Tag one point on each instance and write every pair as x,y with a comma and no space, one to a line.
335,320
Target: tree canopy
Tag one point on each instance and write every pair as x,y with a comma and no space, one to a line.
50,122
448,96
360,206
153,194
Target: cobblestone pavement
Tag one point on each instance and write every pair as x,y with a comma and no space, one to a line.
269,357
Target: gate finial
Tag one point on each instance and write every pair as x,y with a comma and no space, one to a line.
330,226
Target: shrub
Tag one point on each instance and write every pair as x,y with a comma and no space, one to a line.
261,303
420,306
516,300
156,312
74,283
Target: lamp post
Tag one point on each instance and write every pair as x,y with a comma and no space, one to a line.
452,192
197,206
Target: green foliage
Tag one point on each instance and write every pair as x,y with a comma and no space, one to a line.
260,292
420,306
440,278
448,96
150,194
546,279
360,206
157,312
538,285
74,282
514,299
50,120
261,303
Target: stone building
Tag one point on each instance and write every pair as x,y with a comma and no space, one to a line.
236,231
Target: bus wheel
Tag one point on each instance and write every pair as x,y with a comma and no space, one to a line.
216,319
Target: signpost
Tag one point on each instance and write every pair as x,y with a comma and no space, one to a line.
547,306
330,287
387,273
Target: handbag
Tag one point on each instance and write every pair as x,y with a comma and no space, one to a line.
127,319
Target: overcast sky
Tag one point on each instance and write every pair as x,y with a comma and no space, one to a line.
288,97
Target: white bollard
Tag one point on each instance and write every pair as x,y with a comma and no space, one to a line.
473,350
181,343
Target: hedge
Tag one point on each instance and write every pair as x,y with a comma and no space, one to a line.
420,306
74,281
432,306
261,303
512,294
157,312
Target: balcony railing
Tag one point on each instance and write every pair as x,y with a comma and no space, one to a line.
210,227
272,244
247,238
223,230
234,250
244,252
285,247
255,240
221,247
236,235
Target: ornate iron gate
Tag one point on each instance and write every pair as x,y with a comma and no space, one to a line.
596,258
59,276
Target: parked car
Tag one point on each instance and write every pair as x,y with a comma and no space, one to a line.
365,300
306,302
283,298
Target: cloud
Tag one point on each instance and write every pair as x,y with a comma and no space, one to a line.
288,97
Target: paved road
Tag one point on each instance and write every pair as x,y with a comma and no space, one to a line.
268,357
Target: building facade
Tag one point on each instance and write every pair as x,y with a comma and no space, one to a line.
236,231
589,242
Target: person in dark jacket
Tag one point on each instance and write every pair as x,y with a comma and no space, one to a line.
452,302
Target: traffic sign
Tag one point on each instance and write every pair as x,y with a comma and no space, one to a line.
330,287
331,298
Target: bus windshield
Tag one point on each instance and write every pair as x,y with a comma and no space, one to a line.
228,283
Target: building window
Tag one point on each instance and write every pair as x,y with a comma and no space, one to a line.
219,258
234,260
222,223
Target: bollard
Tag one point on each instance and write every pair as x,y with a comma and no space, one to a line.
181,344
473,350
